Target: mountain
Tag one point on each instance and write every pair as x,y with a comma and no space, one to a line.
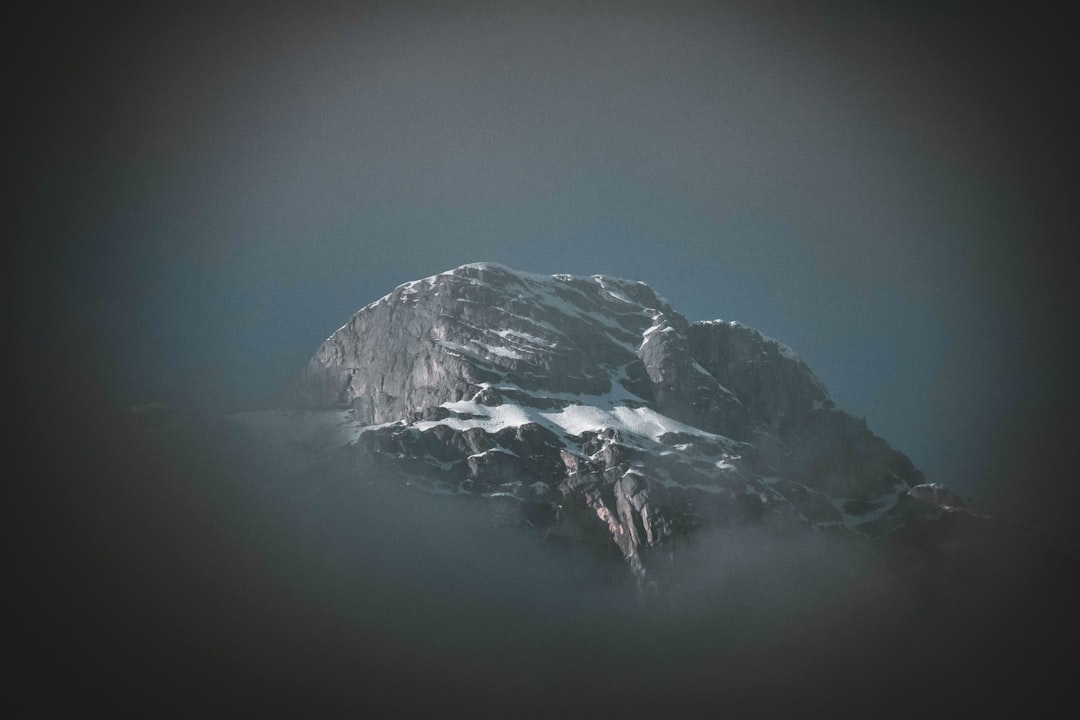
703,469
497,494
589,408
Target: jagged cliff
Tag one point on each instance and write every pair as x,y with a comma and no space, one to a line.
589,408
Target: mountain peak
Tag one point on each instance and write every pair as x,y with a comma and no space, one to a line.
593,393
483,324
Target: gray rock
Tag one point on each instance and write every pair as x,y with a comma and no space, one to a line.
482,379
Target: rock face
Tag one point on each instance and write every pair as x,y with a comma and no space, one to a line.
588,408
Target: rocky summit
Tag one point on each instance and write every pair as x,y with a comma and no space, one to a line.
589,409
498,494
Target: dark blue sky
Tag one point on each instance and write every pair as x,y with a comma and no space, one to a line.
204,194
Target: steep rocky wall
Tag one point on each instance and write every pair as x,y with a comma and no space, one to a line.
493,382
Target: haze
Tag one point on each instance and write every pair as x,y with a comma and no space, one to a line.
203,195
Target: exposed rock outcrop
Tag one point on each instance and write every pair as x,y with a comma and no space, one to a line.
597,408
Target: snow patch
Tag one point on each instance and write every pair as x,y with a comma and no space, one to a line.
596,413
500,351
518,335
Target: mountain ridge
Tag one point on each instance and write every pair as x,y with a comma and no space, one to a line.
599,410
